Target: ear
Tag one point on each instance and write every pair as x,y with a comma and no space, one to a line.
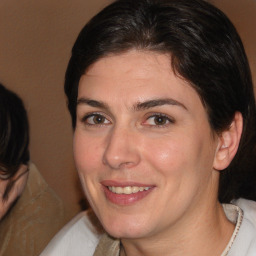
228,143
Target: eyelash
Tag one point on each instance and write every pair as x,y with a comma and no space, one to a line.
152,115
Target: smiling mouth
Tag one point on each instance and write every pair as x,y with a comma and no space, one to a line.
127,190
125,194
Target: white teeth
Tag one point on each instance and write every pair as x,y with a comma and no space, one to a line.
135,189
119,190
127,190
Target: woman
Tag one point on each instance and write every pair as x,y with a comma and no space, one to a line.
162,106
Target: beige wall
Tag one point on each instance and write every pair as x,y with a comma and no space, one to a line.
36,37
243,14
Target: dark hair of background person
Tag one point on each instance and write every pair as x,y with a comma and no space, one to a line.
204,48
14,135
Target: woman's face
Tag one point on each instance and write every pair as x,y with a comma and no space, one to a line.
143,146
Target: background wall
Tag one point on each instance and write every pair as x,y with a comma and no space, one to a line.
36,37
243,14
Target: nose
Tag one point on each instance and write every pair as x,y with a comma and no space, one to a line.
121,150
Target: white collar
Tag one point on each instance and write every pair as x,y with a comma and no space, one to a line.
235,215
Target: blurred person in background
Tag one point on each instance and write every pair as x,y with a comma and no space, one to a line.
30,211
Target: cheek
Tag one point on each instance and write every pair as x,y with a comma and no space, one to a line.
87,153
87,161
179,155
166,154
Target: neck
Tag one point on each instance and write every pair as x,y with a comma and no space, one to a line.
207,233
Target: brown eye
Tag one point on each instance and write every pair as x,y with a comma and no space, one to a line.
158,120
96,119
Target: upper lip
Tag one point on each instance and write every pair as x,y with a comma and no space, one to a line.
114,183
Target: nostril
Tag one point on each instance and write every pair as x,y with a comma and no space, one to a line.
121,161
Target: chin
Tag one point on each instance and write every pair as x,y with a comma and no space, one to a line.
125,234
125,228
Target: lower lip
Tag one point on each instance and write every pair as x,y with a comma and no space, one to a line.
123,199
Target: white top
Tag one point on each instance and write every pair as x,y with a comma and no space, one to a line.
77,238
80,238
245,241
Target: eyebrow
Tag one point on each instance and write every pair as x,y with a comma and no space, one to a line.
139,106
92,103
157,102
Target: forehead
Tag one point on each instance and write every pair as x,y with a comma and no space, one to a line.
135,76
134,63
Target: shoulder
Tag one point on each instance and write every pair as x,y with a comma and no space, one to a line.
39,203
30,224
249,208
245,242
79,237
38,191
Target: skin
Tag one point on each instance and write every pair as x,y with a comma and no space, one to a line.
20,181
122,139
